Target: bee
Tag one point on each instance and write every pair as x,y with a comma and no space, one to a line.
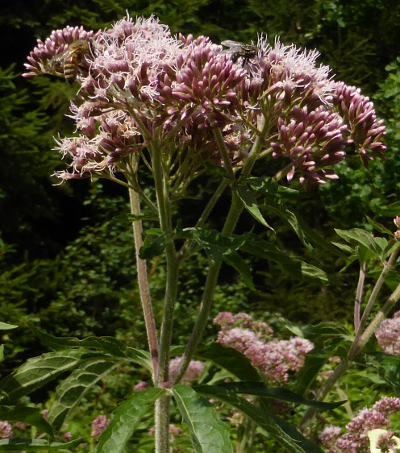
70,62
74,57
239,50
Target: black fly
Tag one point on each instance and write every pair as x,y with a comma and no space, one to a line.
239,50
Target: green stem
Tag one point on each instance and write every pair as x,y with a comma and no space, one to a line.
162,424
235,210
164,212
144,290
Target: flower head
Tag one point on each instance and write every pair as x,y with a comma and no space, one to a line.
388,335
5,430
140,86
275,359
356,440
99,424
193,372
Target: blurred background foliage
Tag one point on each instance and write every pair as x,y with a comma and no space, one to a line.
66,252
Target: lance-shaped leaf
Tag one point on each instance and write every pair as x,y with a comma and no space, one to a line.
38,371
125,419
154,244
72,389
232,360
364,239
26,414
260,389
214,244
5,326
283,432
109,345
249,201
209,434
36,445
291,264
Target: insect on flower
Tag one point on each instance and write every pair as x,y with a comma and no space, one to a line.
69,63
239,50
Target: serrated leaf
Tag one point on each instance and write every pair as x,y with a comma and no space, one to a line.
292,265
260,389
38,371
5,326
109,345
283,432
238,263
215,244
390,210
250,204
140,357
363,238
209,434
231,360
124,421
154,244
35,445
73,388
306,376
388,367
311,271
26,414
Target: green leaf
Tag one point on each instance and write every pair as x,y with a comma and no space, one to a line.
209,434
215,244
291,264
388,367
38,371
283,432
73,388
238,263
26,414
154,244
140,357
249,202
306,376
390,210
260,389
231,360
364,238
5,326
109,345
124,421
36,445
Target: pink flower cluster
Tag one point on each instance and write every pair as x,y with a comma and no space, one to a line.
356,439
193,372
99,424
388,335
5,430
139,84
274,359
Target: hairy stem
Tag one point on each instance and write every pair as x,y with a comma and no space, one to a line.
164,213
359,293
144,290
